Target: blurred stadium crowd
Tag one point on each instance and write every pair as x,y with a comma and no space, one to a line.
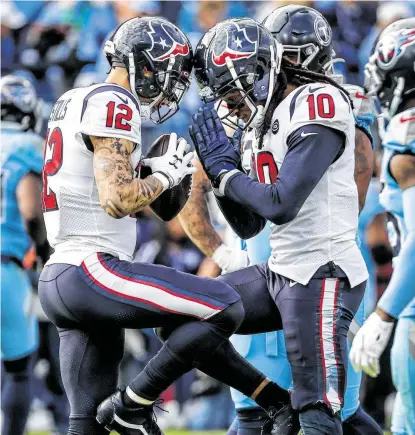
58,45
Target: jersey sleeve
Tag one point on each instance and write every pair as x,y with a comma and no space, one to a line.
363,109
111,111
322,104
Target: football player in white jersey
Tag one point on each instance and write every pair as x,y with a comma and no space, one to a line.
90,288
305,166
310,49
391,78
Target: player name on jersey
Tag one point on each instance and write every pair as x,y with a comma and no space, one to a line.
59,110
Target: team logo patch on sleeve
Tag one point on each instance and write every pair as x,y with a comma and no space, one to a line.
239,47
164,45
275,127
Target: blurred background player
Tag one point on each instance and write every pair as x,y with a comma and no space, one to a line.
21,226
391,80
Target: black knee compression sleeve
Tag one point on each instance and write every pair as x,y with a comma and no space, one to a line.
187,347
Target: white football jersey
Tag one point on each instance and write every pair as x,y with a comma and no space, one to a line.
362,103
75,222
325,228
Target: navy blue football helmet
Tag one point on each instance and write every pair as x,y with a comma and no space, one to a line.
158,58
20,104
390,72
238,56
306,37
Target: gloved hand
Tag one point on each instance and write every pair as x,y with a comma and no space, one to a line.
369,344
174,165
216,152
229,259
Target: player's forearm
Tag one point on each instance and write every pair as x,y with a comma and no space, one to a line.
364,164
120,193
281,202
401,289
195,217
129,196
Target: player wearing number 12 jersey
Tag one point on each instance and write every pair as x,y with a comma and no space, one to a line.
90,288
303,182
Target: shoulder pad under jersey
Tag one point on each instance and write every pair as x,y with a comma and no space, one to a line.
400,133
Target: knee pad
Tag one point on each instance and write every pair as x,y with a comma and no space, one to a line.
20,366
229,319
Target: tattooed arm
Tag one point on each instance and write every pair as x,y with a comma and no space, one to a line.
364,165
195,220
121,194
195,217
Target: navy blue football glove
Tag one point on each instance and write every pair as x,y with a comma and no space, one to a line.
216,152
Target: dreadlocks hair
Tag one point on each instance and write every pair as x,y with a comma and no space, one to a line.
295,74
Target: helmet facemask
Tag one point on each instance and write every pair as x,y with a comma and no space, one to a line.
256,90
166,91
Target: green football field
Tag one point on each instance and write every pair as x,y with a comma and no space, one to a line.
171,432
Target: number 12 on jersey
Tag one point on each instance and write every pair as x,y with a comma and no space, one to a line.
51,165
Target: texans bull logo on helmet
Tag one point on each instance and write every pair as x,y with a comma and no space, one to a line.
236,45
392,46
164,44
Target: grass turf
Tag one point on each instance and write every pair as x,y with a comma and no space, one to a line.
168,432
171,432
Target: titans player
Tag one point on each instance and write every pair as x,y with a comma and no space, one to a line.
392,80
21,226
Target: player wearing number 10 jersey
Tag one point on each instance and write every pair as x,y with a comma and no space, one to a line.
303,182
90,288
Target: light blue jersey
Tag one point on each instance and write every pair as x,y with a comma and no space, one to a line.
370,210
398,299
19,156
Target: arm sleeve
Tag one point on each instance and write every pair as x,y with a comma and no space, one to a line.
401,289
244,222
311,150
111,111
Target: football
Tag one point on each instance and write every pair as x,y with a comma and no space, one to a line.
170,203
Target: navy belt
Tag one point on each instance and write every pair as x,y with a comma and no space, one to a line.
7,259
